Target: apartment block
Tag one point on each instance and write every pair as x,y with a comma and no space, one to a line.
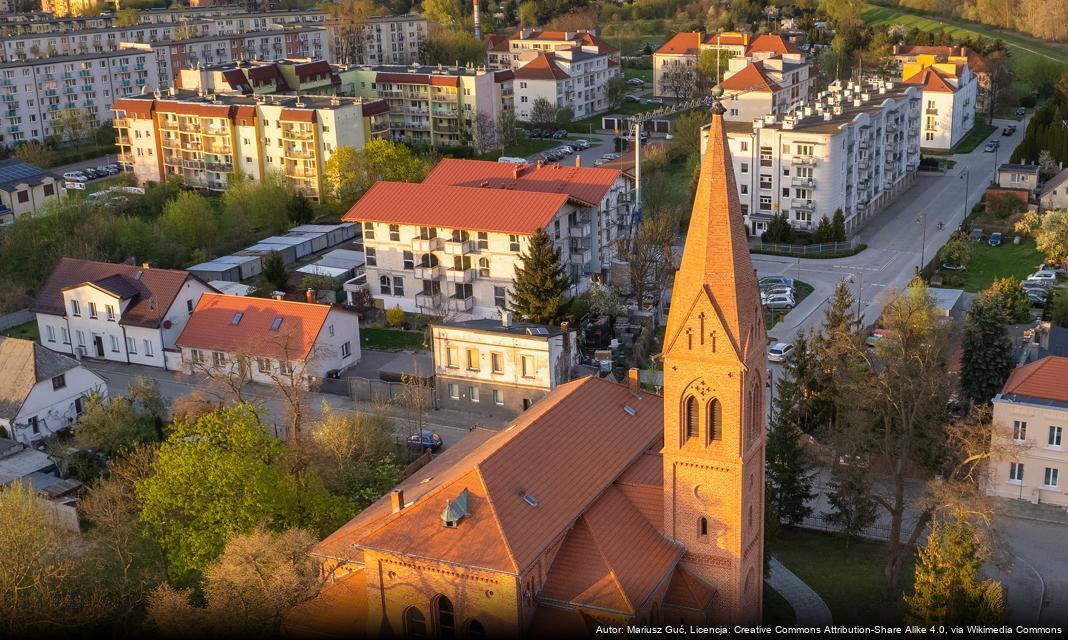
1030,419
204,138
500,367
313,77
383,40
675,62
855,149
69,95
435,106
950,92
456,257
575,79
507,52
977,65
755,86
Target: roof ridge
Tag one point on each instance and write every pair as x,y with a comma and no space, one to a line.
496,520
606,562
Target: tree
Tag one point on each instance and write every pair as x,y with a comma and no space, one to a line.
189,220
507,128
346,440
395,316
838,225
987,350
649,257
1048,166
540,284
127,17
680,79
299,209
34,153
711,64
824,231
349,21
779,230
948,589
484,135
615,89
451,47
1059,311
258,578
958,250
1006,294
274,272
446,13
113,426
212,479
604,301
852,509
789,475
261,204
70,125
542,112
1051,238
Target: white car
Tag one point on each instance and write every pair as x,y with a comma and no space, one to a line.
778,301
779,351
1043,277
75,176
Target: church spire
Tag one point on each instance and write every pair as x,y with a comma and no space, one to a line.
716,255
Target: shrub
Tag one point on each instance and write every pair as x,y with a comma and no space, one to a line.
395,316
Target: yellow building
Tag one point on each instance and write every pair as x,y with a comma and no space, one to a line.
67,8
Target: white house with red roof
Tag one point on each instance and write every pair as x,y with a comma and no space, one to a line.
1030,421
770,83
575,78
267,340
506,52
450,244
950,95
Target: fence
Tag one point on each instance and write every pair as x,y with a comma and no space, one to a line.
805,249
21,316
374,390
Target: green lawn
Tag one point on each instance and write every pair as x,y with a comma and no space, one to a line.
625,108
644,74
388,339
849,579
26,331
989,263
977,136
1031,59
776,609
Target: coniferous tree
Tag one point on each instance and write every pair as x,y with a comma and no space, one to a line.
540,286
274,271
838,225
987,351
779,229
834,347
852,508
948,590
824,231
789,473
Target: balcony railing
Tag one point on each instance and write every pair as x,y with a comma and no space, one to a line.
459,248
301,172
219,166
582,230
428,300
218,149
300,153
804,205
122,139
426,245
461,304
929,111
125,157
805,161
168,124
428,273
297,134
189,127
463,276
799,181
216,131
193,164
120,122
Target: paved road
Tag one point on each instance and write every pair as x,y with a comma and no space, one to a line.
894,238
1039,550
85,164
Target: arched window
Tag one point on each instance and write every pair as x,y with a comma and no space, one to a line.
702,527
384,285
445,621
414,623
475,630
428,260
690,417
714,415
483,267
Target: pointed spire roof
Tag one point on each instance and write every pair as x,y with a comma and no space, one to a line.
716,257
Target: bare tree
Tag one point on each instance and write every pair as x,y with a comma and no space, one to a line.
348,18
681,79
649,256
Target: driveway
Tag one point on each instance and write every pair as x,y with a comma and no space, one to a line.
85,164
896,241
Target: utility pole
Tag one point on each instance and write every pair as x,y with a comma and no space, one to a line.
964,175
922,220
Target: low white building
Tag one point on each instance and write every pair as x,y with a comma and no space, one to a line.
116,312
42,392
25,188
949,97
498,367
266,340
756,86
1054,193
855,149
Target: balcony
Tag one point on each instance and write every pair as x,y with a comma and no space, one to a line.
216,131
125,157
297,134
453,248
121,139
192,164
580,244
219,166
461,304
799,181
306,154
187,127
195,146
803,205
929,111
463,276
445,97
805,161
426,245
581,257
120,123
580,230
428,300
168,124
428,273
218,149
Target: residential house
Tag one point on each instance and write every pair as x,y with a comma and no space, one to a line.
600,505
1019,177
856,149
949,98
1054,193
756,87
977,64
510,52
116,312
25,188
264,340
42,392
675,62
459,256
500,367
1030,420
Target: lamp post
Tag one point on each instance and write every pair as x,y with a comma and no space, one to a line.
859,280
964,175
922,220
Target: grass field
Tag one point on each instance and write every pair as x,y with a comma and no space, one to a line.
849,579
1032,60
776,609
979,133
26,331
644,74
388,339
1009,260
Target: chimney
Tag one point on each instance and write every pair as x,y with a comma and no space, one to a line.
279,296
633,380
565,326
506,318
396,498
515,172
309,295
538,164
478,23
146,265
578,161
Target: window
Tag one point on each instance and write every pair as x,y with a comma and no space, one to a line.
744,145
498,397
472,392
1055,437
472,359
483,240
452,357
385,285
1050,479
745,167
500,297
409,260
744,188
131,346
148,348
236,320
1016,470
483,268
513,243
446,625
218,358
284,368
114,343
50,331
92,310
689,417
75,308
110,312
59,382
715,421
497,362
368,231
765,156
527,366
263,365
803,149
370,256
765,203
702,527
81,337
276,324
197,355
454,391
765,181
414,623
330,329
394,232
476,631
24,196
66,335
398,285
1019,430
346,350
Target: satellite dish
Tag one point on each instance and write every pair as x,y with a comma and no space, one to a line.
167,324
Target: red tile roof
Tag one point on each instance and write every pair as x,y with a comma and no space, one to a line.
587,185
686,43
727,38
156,288
297,115
750,78
403,78
688,591
542,67
497,43
593,39
771,43
471,208
211,326
932,80
375,107
135,107
1046,378
310,69
445,81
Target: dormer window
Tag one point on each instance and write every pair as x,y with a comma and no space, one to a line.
455,510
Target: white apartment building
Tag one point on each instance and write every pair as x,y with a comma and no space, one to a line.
855,149
756,86
42,392
116,312
500,367
572,78
267,341
384,40
949,100
511,52
675,62
203,139
1030,420
77,92
457,256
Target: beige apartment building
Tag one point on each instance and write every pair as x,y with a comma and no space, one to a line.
507,52
204,138
1030,420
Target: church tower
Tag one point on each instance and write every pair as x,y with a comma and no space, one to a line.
714,376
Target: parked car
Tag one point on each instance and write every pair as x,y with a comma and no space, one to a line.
630,98
424,440
637,82
1037,300
655,101
1021,111
581,144
1037,290
75,176
780,280
874,338
1046,277
779,301
990,147
779,351
610,156
776,290
1009,130
567,149
559,134
512,160
598,162
995,239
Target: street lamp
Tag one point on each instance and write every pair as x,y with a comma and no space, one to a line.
965,176
922,220
860,290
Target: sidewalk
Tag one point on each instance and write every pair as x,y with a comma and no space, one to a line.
809,608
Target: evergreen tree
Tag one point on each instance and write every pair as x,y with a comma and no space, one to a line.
838,224
274,272
779,230
299,209
789,474
541,283
1007,294
948,590
824,232
834,347
987,358
852,509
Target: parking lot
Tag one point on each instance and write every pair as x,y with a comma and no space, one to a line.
79,178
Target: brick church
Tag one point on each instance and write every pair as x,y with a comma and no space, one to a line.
602,504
